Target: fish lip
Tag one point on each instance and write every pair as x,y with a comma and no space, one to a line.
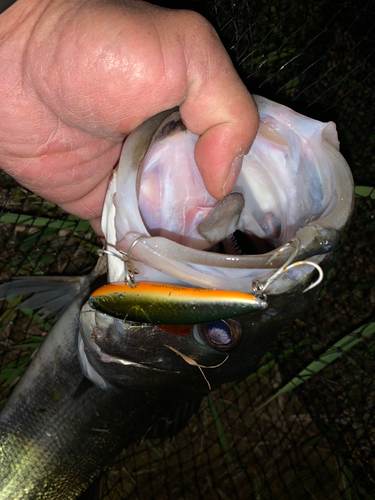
209,270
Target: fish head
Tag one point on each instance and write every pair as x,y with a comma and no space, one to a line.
270,236
195,358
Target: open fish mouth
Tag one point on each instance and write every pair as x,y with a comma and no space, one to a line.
291,202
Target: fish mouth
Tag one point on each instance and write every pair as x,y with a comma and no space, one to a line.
252,254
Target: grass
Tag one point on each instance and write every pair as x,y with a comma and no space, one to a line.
23,350
349,492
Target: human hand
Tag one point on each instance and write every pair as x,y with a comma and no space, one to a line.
78,77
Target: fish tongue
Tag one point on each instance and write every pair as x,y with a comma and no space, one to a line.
223,218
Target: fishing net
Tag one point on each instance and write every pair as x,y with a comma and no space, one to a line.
315,439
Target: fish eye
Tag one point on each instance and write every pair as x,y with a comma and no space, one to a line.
221,334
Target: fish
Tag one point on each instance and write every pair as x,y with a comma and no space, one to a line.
104,378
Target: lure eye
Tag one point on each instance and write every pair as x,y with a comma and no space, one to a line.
221,334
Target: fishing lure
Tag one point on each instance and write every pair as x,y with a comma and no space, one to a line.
161,303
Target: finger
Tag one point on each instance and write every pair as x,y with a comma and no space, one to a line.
219,108
96,224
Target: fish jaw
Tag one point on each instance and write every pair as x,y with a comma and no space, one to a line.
139,355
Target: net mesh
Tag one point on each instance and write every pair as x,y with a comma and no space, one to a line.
317,440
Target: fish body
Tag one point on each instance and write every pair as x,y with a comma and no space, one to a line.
100,382
58,431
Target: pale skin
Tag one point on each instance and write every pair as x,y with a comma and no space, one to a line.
78,76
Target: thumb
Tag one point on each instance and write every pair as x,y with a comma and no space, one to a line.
219,108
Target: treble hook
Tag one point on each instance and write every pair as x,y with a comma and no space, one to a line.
129,269
259,288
